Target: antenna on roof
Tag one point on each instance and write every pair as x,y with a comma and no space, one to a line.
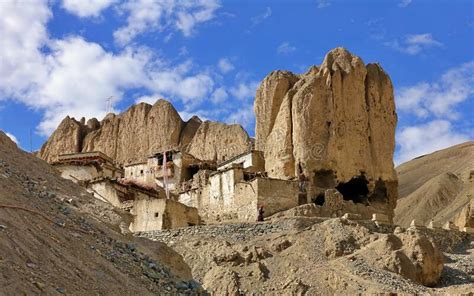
108,104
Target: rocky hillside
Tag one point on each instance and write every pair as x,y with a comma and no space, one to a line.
145,129
314,256
57,239
335,123
438,186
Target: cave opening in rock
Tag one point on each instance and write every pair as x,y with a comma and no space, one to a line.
356,189
380,192
319,200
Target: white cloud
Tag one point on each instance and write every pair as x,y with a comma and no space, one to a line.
323,3
441,97
244,90
404,3
86,8
148,99
422,139
81,76
243,115
285,48
262,17
22,33
414,44
75,77
13,138
219,95
157,15
225,65
176,82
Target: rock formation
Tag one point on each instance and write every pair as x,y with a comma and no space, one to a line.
336,124
218,141
142,130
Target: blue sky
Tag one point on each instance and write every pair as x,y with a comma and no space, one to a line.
66,57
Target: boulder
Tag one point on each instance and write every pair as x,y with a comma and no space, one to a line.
410,254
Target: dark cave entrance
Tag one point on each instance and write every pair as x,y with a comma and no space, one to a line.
356,189
319,200
380,192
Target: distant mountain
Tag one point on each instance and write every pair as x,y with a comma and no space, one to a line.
438,186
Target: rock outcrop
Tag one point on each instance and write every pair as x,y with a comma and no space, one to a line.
145,129
408,253
335,124
218,142
67,138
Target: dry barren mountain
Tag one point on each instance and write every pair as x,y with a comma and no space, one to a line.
438,186
144,129
57,239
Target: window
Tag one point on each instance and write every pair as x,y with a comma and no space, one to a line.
141,172
157,215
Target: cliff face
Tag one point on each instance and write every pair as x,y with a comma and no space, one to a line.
335,124
218,141
142,130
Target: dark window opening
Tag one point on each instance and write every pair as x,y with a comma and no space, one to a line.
324,179
190,172
141,172
157,215
191,224
356,189
159,156
380,192
319,200
249,176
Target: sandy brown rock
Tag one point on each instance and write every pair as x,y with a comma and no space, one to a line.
218,142
143,130
341,125
425,256
67,138
268,99
465,218
137,133
278,151
189,130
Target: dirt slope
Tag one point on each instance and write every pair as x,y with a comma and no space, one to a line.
67,242
315,256
438,186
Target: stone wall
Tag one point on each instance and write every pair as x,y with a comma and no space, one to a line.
228,197
276,195
156,214
253,161
139,172
78,173
105,190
